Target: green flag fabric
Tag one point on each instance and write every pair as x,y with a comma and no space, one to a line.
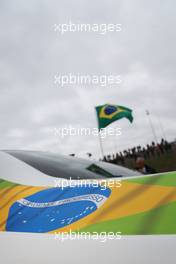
108,113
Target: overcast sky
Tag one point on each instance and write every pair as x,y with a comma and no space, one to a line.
31,52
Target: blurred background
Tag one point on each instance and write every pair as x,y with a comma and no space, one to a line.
142,53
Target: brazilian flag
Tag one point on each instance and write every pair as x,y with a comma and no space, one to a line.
108,113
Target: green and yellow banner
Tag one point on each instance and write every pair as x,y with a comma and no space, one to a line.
139,205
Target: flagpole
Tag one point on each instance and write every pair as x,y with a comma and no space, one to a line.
101,145
100,139
115,144
152,127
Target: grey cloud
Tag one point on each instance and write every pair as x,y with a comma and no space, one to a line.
32,53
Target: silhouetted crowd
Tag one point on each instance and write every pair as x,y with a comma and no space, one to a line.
146,152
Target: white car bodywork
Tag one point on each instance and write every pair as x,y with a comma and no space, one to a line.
13,169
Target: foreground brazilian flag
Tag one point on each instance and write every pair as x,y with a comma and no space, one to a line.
108,113
140,205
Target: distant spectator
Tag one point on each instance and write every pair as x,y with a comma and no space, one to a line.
142,167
